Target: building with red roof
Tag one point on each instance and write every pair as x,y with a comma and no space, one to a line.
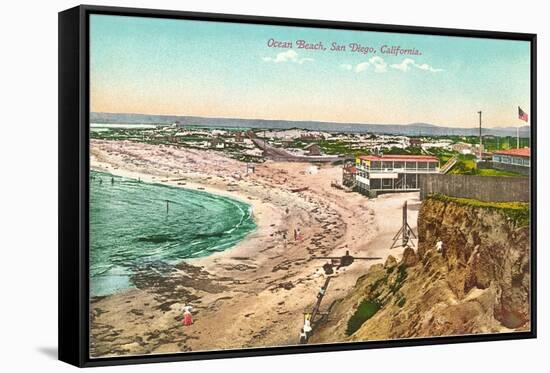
377,174
515,160
389,157
521,152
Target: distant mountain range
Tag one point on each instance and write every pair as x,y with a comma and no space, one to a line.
412,129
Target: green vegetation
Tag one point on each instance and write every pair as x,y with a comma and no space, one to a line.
401,277
411,150
442,154
378,298
495,172
492,143
366,309
337,147
331,147
401,302
466,165
518,212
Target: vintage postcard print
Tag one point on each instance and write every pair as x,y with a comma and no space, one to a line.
262,186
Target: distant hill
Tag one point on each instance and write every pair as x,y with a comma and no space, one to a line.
421,125
412,129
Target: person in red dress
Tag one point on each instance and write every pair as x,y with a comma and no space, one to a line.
187,316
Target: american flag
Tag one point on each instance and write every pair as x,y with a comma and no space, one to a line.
522,115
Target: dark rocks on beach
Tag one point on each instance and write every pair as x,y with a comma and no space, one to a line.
286,285
410,258
390,262
239,267
137,312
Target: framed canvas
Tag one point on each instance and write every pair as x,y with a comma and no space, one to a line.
233,186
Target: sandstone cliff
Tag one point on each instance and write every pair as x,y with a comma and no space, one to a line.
475,281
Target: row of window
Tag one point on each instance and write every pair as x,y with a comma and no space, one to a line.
385,165
519,161
404,181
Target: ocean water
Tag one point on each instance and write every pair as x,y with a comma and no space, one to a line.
132,226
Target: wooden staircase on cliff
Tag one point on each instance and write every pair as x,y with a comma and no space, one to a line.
449,164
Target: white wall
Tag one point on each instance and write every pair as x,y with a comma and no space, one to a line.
28,153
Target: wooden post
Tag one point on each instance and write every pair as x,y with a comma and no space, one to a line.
315,310
405,232
405,237
480,138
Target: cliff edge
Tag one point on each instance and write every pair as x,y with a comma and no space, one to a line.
469,275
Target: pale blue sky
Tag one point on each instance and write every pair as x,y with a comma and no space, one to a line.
165,66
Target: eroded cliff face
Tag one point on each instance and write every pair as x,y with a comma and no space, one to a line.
477,282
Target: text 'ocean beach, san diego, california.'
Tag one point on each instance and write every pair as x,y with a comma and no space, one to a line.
339,47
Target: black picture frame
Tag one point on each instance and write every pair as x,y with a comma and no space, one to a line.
74,197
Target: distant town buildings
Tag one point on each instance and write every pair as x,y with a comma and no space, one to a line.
239,137
392,173
313,149
415,142
217,143
465,148
440,144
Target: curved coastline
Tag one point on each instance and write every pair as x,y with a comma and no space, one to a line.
240,295
219,247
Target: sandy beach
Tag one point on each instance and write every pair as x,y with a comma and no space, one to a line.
255,293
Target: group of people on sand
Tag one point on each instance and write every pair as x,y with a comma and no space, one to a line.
101,180
297,235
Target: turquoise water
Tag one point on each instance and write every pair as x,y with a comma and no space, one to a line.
130,226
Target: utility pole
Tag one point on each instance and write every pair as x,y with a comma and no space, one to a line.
480,138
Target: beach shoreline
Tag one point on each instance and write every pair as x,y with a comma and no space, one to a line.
253,294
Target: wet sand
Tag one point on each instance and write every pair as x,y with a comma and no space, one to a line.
254,294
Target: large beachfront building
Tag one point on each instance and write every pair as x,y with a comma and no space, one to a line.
516,160
392,173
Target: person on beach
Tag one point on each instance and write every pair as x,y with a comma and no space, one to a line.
303,336
306,329
187,316
307,324
295,234
321,292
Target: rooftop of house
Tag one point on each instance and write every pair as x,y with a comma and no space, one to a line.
521,152
410,158
311,146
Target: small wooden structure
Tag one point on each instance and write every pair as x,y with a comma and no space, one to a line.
338,262
404,233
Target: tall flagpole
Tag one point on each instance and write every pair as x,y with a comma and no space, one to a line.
517,137
480,141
